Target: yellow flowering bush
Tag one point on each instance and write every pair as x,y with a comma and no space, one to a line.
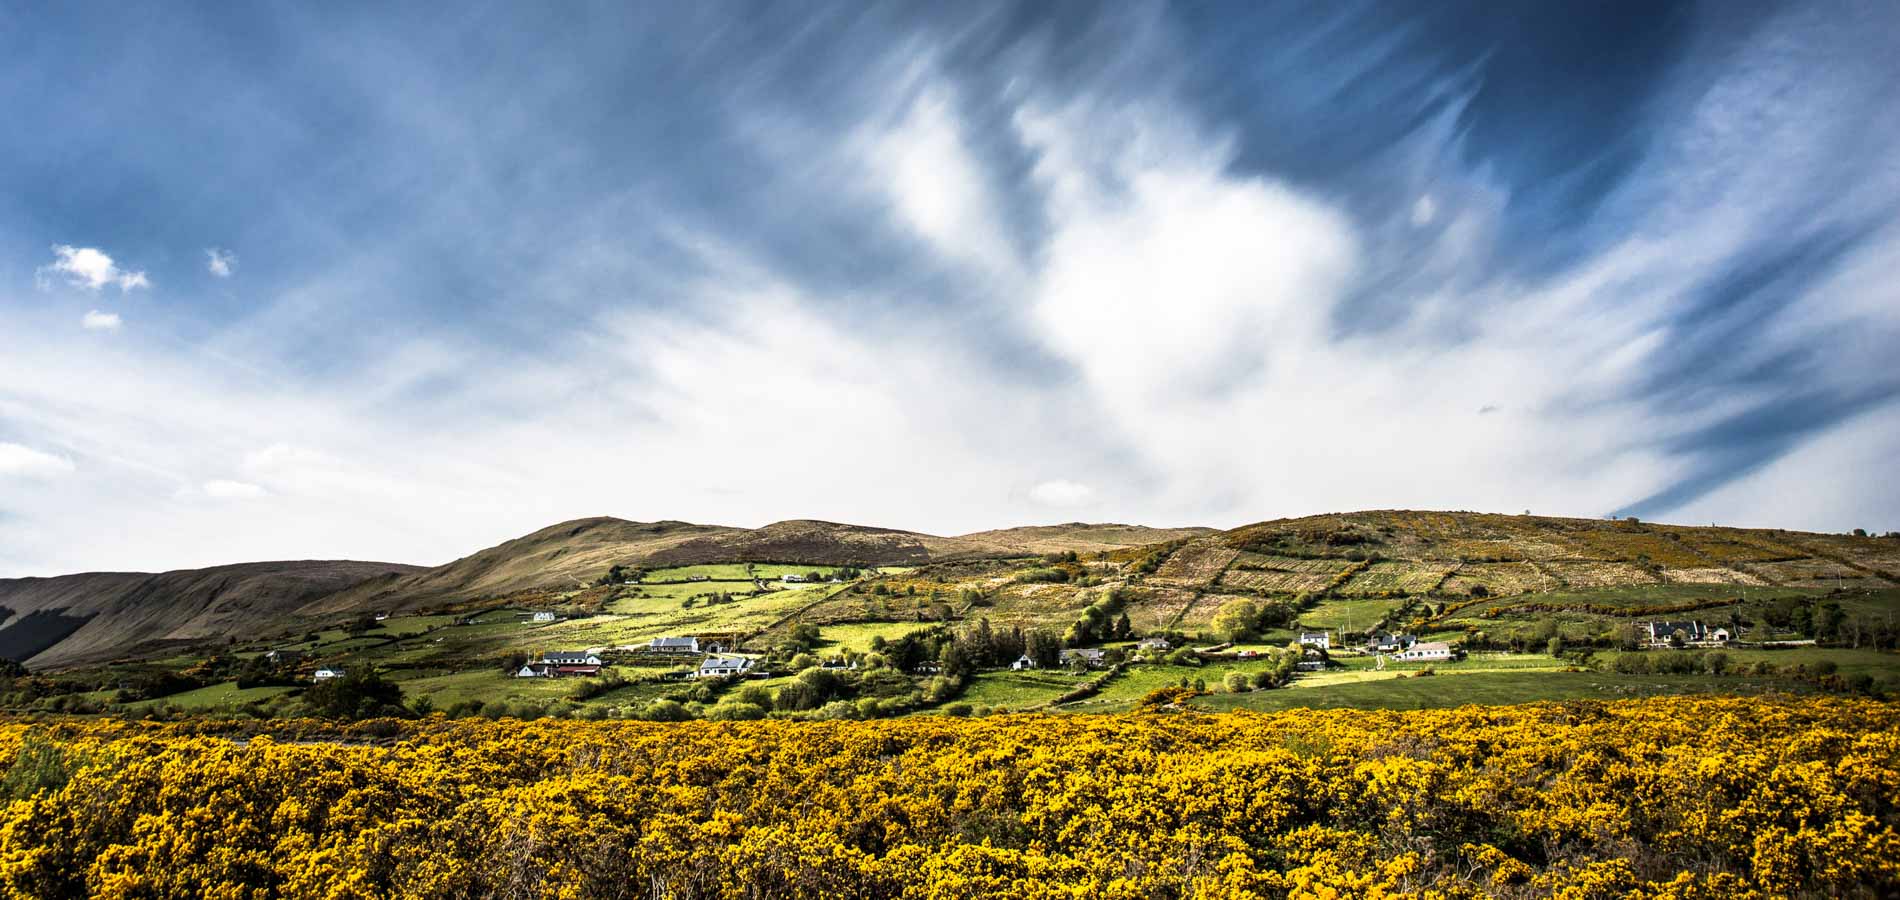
1670,797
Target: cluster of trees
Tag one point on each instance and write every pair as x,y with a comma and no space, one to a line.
619,574
1106,619
361,693
1241,619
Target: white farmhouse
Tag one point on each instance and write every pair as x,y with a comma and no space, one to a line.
327,674
1426,650
722,666
1320,639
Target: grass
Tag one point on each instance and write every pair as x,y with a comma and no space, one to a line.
1017,690
1878,663
226,695
858,635
1356,614
737,571
1490,688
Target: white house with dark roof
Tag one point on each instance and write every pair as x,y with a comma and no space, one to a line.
1094,659
679,645
723,667
1320,639
1426,651
1659,633
571,658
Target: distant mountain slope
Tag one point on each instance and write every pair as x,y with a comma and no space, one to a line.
1451,553
73,619
1080,537
573,554
569,554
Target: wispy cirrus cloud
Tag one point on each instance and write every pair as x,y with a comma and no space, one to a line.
958,269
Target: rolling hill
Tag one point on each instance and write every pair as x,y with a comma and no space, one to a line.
1438,571
1348,570
572,554
78,619
74,619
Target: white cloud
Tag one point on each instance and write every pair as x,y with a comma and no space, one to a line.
936,185
219,262
1424,210
95,320
1061,493
222,489
89,268
18,460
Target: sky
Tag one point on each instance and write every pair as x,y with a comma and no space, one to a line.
286,281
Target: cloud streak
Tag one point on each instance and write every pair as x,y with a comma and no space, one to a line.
957,270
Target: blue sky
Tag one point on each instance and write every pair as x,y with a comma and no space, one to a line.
283,281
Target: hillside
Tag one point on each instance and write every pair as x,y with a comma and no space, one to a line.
573,554
1438,572
1434,570
90,617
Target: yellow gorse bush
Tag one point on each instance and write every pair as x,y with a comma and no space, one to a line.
1689,798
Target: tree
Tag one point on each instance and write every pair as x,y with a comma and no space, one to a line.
1238,683
1124,629
1237,620
1554,646
1043,647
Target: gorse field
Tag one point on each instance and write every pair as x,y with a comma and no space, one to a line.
1683,798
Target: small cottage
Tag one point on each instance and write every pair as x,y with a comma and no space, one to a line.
1321,639
571,658
723,667
1023,662
674,645
1094,659
1426,651
327,674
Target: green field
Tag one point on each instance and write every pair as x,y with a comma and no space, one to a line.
1490,688
226,695
1008,690
1358,614
857,635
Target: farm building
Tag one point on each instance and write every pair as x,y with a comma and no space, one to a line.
1094,659
687,645
571,658
723,666
1023,662
1386,642
792,579
284,657
1426,650
545,616
1320,639
1660,632
535,670
1154,643
327,674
